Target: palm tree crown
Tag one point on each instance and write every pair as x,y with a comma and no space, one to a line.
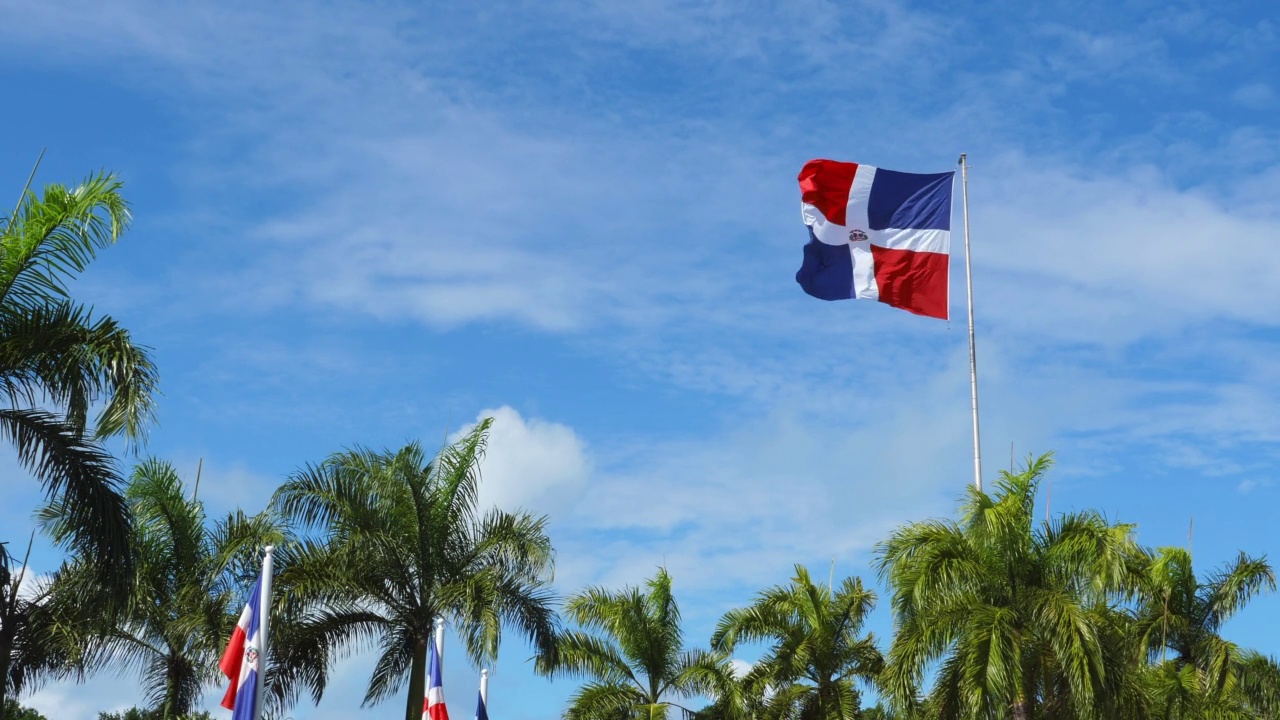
57,360
1016,612
404,544
188,591
818,650
1206,675
632,650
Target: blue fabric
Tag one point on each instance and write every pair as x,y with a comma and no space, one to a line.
482,713
910,200
435,678
827,270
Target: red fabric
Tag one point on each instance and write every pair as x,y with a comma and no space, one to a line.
230,664
825,185
913,281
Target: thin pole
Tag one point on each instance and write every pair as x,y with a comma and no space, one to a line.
26,187
973,357
1190,527
484,687
264,606
196,491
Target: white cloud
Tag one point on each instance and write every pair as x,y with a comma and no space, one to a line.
67,701
1249,485
1254,95
530,464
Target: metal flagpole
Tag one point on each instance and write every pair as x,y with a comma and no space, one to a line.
484,687
264,607
973,357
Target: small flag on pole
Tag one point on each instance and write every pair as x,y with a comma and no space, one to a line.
482,711
433,707
876,234
242,660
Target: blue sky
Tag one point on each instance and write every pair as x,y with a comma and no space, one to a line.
374,223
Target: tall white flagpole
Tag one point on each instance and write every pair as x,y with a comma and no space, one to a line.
440,642
264,607
484,688
973,357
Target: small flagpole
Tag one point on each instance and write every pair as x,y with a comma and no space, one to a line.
264,607
973,357
484,687
440,641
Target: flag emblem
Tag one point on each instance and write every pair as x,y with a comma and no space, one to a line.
876,234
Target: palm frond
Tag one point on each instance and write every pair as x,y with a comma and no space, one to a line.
80,481
56,235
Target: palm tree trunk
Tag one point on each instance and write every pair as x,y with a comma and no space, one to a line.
7,634
5,649
417,682
1020,710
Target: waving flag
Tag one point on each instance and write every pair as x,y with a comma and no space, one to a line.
241,662
433,707
876,234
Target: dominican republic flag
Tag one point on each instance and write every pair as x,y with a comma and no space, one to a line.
242,660
433,707
876,234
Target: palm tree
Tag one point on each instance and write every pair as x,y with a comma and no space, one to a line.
1016,613
404,544
632,649
57,361
35,629
817,650
190,585
1181,614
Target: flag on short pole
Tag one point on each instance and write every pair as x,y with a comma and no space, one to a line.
482,711
433,707
876,234
242,660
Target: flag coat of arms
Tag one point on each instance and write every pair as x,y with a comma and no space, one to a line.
877,234
433,707
242,660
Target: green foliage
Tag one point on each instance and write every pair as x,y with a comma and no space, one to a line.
14,711
1016,614
190,584
817,651
404,543
141,714
630,648
1177,623
57,361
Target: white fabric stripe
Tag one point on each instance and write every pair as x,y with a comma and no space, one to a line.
826,231
859,197
934,241
864,267
435,696
245,616
864,271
